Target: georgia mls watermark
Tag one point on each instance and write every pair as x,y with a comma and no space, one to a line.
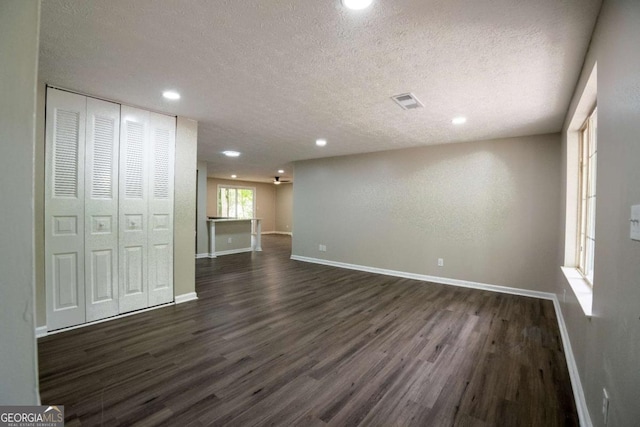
32,416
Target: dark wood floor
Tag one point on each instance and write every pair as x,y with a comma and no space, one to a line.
278,342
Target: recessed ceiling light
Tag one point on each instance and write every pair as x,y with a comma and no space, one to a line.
459,120
169,94
280,171
234,176
357,4
321,142
230,153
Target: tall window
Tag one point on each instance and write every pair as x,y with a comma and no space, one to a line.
236,202
587,205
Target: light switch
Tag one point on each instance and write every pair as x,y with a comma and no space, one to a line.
635,222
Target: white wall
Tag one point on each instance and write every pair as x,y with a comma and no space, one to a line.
607,347
490,209
19,26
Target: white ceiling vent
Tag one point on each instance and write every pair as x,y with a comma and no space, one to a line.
407,101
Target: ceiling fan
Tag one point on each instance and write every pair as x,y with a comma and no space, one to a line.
278,181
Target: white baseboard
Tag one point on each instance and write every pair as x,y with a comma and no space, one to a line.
230,252
425,278
205,255
574,374
191,296
284,233
41,331
95,322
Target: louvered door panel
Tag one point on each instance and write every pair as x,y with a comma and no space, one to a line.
64,209
162,131
133,209
101,209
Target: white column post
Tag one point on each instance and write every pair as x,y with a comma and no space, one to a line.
212,239
257,244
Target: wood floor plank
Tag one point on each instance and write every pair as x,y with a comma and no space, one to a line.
272,341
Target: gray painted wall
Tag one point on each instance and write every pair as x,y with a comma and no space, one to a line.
184,225
490,209
239,233
273,203
202,235
19,26
38,185
607,347
265,199
284,208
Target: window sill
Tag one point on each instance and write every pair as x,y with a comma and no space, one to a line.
581,288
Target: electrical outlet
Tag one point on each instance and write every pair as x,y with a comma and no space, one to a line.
605,406
440,262
230,239
564,296
320,248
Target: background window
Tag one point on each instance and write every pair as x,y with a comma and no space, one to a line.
236,202
587,188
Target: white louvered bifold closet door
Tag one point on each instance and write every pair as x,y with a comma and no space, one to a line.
133,209
101,209
108,209
162,130
64,209
147,153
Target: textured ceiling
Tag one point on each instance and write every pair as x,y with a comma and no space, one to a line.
268,77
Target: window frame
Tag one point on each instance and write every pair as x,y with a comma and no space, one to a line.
583,104
587,169
235,187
